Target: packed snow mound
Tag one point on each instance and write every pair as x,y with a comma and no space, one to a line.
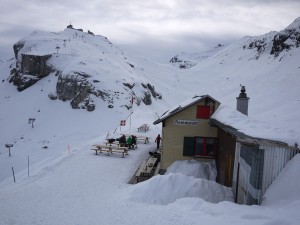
194,168
165,189
285,189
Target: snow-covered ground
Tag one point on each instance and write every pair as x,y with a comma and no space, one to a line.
84,188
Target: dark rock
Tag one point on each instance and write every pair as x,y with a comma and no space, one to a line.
90,107
183,64
130,86
35,65
132,66
52,96
17,47
32,69
258,45
285,40
147,98
70,87
151,88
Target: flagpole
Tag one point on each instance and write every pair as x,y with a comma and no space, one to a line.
132,98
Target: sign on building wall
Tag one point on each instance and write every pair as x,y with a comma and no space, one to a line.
186,122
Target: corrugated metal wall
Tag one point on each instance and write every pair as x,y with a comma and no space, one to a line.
275,160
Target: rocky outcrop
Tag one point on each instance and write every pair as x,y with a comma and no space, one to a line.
183,64
76,89
150,90
285,41
186,60
278,42
147,98
17,47
83,75
29,70
35,65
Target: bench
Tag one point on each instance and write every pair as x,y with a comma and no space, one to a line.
143,139
115,144
110,149
143,128
146,168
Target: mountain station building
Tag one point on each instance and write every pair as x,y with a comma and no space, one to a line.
196,129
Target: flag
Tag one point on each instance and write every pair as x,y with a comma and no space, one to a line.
123,122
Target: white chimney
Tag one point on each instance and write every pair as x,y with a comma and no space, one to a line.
242,102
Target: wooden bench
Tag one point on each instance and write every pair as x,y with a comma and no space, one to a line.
146,168
115,144
110,149
143,128
142,139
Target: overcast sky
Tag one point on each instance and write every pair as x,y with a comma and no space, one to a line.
155,29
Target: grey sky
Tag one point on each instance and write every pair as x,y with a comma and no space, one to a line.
152,28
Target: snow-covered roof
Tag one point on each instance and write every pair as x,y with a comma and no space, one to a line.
245,127
182,106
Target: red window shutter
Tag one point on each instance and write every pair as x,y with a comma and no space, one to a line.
203,112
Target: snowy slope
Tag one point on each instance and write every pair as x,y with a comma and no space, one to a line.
186,60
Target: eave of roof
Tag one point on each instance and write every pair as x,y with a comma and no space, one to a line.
181,108
241,137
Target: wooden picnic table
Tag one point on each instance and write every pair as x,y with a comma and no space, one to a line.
110,149
146,168
143,128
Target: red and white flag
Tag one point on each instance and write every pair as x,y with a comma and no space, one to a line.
123,123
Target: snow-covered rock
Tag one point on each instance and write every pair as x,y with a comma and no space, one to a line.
88,66
186,60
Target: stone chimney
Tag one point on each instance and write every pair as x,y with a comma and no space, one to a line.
242,102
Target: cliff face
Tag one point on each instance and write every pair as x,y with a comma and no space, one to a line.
29,69
87,67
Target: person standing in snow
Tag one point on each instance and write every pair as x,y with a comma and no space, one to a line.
157,140
134,143
129,142
122,141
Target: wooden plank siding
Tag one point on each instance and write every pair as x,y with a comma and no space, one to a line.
173,135
225,158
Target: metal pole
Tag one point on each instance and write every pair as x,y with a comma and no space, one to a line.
13,174
28,165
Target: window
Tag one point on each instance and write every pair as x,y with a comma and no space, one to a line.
203,112
200,146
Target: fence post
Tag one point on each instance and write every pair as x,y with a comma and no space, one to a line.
28,165
13,174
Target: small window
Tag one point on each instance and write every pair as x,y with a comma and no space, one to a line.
200,146
188,146
203,112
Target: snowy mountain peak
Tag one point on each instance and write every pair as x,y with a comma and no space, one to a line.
287,39
87,66
294,25
270,44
